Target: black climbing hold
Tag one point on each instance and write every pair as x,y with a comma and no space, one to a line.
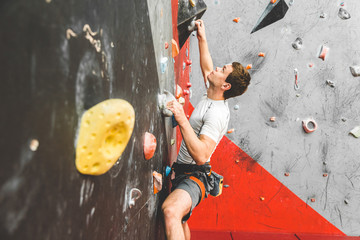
273,12
187,14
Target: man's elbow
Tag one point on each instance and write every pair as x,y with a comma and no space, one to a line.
201,160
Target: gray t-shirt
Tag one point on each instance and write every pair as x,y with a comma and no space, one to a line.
211,118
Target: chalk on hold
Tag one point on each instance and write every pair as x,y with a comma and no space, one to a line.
323,15
181,100
297,44
261,54
163,99
172,141
157,181
309,125
355,70
324,50
163,64
272,1
343,14
356,132
149,145
249,66
179,91
105,130
188,85
188,62
272,119
236,107
34,144
192,3
262,198
175,48
231,130
186,92
236,19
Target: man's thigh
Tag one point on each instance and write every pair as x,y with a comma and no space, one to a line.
180,200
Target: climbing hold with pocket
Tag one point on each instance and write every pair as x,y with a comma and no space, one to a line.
105,130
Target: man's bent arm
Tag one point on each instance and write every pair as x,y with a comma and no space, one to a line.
206,62
201,148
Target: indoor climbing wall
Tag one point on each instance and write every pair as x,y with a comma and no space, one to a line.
281,177
75,165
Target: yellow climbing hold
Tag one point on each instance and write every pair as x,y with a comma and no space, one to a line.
104,133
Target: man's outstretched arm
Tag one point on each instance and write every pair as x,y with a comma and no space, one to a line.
201,148
206,62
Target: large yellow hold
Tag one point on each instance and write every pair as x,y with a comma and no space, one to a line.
104,133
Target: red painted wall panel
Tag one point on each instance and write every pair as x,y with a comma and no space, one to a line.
240,207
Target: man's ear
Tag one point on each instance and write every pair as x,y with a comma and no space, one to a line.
226,86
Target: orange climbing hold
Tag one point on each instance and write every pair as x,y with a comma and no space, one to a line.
261,54
175,48
231,130
149,145
157,182
273,1
249,66
236,19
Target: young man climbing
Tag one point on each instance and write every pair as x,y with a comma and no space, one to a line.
201,134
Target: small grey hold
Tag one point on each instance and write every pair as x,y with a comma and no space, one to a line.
343,119
346,201
323,15
226,186
330,83
236,107
343,14
297,44
291,2
355,70
324,163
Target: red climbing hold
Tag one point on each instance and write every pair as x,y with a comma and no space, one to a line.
149,145
323,52
166,45
188,62
188,85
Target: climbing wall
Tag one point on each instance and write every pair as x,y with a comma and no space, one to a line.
280,179
58,60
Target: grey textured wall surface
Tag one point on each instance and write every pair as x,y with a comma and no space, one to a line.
283,146
48,80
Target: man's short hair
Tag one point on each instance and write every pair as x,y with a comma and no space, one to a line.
239,79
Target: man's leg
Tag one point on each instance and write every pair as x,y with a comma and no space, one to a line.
175,207
186,231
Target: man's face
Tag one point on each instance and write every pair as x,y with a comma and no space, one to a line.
218,76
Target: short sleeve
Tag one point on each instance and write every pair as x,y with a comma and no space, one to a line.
214,125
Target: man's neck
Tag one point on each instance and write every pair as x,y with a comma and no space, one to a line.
214,94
